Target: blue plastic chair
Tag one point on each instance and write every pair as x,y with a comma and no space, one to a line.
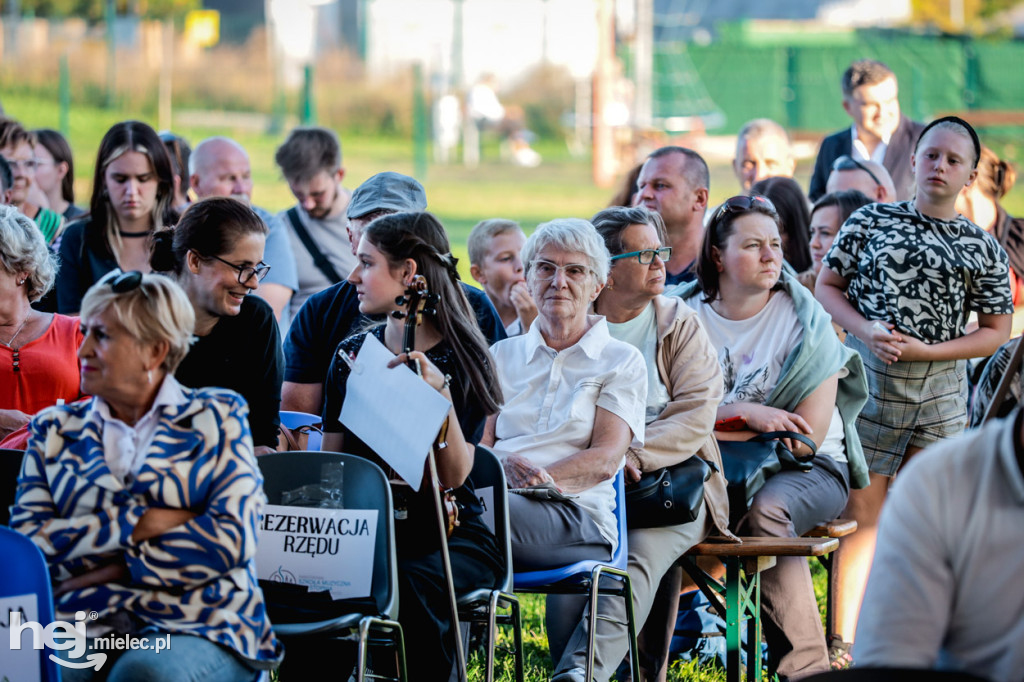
24,571
304,421
584,577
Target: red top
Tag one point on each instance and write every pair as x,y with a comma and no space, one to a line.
47,368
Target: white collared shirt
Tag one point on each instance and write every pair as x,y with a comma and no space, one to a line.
859,150
552,399
124,447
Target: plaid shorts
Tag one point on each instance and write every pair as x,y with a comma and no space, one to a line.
910,404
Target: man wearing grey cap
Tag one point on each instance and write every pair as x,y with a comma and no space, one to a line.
327,317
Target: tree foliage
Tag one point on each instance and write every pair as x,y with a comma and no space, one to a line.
939,13
94,10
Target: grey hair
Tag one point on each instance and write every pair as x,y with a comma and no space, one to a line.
760,127
23,249
157,310
569,234
483,232
611,222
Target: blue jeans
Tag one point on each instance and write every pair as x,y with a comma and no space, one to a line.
189,658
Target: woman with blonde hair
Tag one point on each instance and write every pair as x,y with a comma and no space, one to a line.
131,198
145,498
38,365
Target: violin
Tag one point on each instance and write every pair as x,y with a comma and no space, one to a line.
418,302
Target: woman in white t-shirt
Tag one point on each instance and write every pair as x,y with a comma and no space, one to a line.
784,370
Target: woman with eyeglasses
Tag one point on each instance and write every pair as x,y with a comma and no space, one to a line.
575,401
784,370
145,500
684,387
902,278
131,198
216,254
55,173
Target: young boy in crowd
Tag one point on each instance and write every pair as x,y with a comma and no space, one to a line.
494,247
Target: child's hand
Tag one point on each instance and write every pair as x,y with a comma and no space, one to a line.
913,350
883,340
526,308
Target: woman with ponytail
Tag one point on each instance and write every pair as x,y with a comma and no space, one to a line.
216,254
454,360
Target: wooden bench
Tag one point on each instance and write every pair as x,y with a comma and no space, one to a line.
834,529
743,565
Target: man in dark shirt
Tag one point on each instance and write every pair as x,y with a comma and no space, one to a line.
674,182
327,317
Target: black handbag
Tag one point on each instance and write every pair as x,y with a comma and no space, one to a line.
668,496
747,464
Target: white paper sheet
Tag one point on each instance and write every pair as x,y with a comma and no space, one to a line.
393,411
323,549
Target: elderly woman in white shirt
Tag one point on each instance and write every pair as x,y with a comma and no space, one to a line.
575,402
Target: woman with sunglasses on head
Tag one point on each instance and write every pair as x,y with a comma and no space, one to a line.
452,355
684,387
131,198
902,278
784,370
145,500
216,254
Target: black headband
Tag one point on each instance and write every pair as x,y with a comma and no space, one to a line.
960,122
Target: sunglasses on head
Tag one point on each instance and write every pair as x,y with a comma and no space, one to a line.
122,282
846,162
742,202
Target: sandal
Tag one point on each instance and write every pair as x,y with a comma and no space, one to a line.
839,653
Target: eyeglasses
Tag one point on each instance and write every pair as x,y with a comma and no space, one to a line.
846,162
244,271
23,164
546,270
646,256
741,203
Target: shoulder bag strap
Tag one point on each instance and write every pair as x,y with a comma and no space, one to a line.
319,259
776,435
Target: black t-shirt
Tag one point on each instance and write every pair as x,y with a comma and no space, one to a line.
242,353
327,317
419,532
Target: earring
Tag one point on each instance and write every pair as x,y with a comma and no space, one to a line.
20,282
149,376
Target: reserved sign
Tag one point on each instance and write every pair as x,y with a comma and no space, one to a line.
323,549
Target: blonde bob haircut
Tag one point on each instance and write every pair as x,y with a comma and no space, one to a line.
154,311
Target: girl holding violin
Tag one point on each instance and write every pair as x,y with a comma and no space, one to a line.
453,358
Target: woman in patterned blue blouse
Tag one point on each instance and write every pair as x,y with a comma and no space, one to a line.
902,279
145,498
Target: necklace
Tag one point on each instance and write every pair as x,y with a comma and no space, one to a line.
10,344
132,235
